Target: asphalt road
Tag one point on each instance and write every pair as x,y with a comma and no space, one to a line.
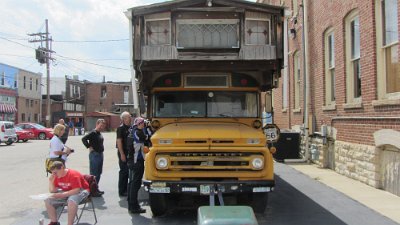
297,199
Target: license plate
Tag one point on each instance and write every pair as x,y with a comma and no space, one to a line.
205,189
159,190
261,189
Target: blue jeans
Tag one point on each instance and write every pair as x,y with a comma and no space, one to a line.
96,164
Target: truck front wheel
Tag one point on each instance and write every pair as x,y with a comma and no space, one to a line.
158,203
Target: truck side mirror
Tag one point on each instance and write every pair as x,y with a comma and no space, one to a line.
268,102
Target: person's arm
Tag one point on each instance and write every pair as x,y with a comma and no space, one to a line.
120,145
66,194
52,188
87,139
56,146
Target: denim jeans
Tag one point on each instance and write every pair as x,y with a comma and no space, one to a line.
96,164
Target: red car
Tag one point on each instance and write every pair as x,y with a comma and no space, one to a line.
38,130
23,135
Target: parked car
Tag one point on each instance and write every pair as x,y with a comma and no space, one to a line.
7,132
38,130
23,135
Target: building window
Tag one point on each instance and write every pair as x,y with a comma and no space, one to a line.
296,73
30,83
126,94
387,49
15,84
27,103
158,32
258,32
329,67
29,117
37,84
3,77
23,117
24,82
36,117
31,103
207,33
103,92
353,69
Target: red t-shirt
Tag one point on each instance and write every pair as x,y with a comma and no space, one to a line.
73,179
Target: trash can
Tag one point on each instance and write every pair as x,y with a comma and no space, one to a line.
288,146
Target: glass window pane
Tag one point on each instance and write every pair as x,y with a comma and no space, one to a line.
357,78
390,21
355,38
257,32
392,69
158,32
331,46
332,73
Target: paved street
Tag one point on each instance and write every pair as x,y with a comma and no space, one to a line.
298,199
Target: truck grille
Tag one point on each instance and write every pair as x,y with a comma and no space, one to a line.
213,161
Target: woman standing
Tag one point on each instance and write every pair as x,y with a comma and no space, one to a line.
57,147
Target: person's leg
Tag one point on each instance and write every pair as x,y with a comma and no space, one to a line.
123,176
51,211
72,210
94,162
136,184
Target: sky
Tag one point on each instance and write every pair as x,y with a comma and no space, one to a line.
90,37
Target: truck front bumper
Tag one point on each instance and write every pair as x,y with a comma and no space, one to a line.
205,187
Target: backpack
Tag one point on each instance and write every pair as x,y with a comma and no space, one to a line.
129,141
94,188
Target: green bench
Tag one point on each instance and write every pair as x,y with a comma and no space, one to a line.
226,215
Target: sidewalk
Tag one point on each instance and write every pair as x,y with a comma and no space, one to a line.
378,200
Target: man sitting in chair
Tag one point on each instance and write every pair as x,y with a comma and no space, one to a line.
68,186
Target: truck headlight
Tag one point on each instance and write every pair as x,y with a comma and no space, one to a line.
162,163
257,163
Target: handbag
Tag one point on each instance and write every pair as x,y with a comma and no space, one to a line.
49,162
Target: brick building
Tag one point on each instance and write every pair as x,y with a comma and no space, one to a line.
353,80
20,89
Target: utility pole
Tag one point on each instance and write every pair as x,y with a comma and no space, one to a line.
43,55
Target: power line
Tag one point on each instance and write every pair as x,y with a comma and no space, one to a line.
96,64
16,42
93,41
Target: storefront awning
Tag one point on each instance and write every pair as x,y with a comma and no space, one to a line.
5,108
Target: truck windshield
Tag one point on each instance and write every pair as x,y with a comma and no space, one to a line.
212,104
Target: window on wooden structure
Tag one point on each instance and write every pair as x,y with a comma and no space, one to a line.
353,69
207,33
30,83
329,68
158,32
258,32
296,76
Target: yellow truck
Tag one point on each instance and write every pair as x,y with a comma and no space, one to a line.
203,68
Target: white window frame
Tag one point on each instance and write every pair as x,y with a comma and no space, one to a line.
350,59
296,79
381,48
329,68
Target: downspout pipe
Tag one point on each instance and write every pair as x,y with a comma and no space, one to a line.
135,97
306,80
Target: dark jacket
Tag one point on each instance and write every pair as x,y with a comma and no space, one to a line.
95,140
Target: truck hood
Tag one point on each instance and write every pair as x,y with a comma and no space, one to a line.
209,134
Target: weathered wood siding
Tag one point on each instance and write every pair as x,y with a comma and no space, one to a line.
261,52
163,52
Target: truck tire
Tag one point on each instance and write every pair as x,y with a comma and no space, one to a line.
158,203
258,201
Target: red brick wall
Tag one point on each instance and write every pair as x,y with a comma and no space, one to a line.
322,15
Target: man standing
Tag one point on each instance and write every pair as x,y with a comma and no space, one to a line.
74,188
64,137
94,141
136,166
122,145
